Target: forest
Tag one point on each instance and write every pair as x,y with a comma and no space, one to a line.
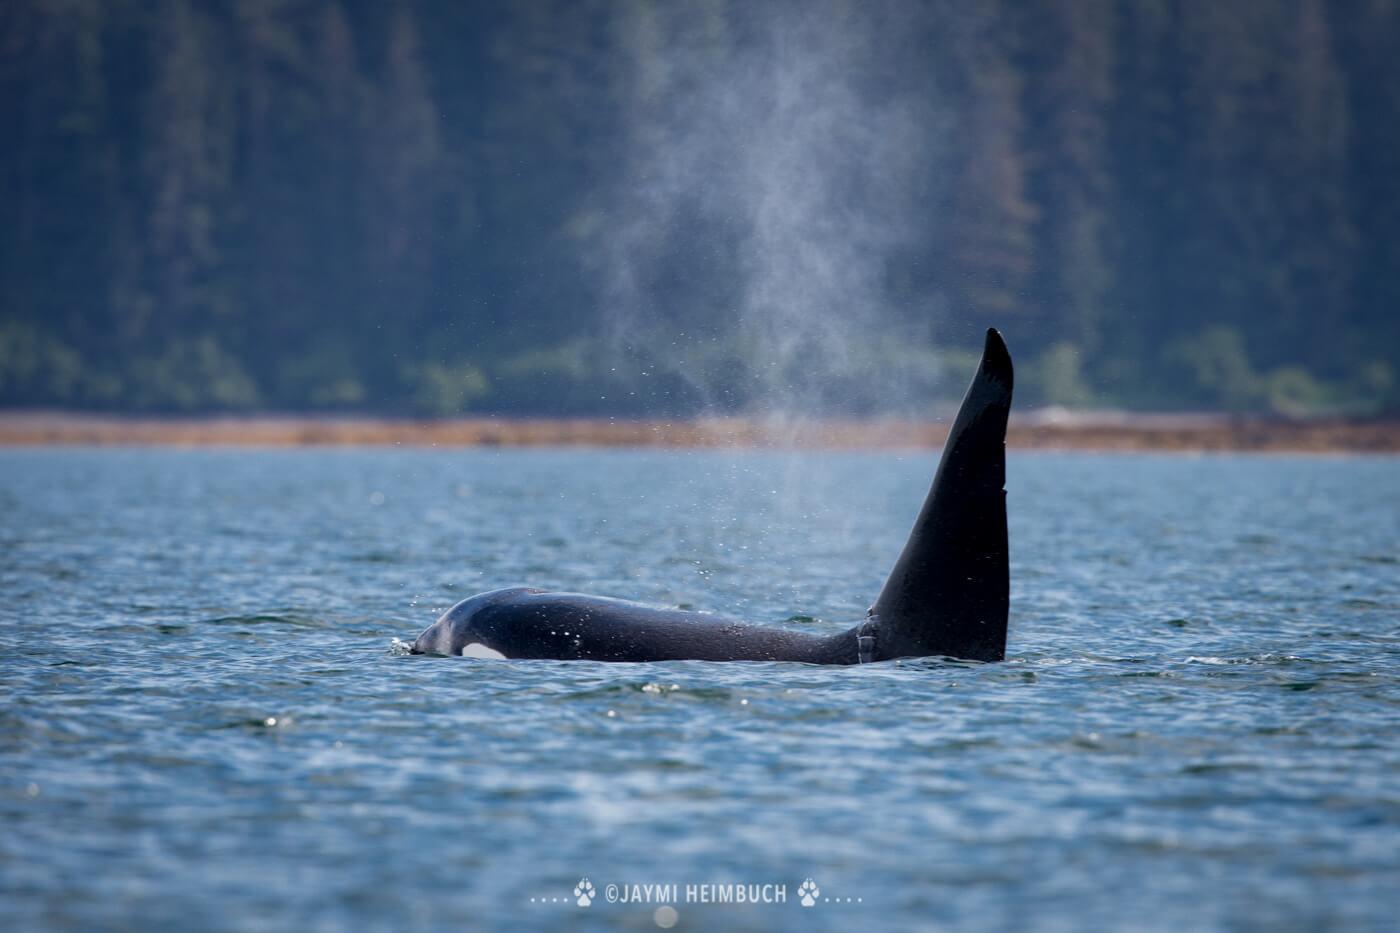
628,208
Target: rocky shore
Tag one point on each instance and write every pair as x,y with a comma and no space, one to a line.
1032,431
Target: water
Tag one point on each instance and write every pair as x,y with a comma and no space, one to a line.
206,723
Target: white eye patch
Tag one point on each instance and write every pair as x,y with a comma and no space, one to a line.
478,650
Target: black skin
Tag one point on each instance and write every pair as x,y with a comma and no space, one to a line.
948,594
525,623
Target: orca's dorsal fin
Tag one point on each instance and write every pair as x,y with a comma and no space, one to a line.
949,592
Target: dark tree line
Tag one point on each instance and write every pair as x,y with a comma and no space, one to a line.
399,206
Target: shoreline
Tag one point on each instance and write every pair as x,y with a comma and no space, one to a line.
1034,431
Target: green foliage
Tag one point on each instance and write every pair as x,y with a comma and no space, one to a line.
1376,382
1220,374
191,375
34,364
570,360
1219,368
441,389
1060,378
1292,390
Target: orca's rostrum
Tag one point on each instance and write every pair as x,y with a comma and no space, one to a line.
948,594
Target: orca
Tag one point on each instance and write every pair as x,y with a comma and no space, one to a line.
948,594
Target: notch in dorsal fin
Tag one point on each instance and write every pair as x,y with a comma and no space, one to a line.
949,592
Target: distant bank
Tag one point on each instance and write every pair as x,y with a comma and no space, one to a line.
1038,430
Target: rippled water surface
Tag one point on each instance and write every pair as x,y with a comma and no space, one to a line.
205,722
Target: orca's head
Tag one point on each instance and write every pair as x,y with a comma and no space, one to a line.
451,632
455,632
436,638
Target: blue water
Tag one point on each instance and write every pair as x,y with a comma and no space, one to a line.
207,722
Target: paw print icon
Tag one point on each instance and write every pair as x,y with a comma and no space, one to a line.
585,892
808,892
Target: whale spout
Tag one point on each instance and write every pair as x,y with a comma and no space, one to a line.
949,591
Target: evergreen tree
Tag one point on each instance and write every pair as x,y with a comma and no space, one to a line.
404,206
